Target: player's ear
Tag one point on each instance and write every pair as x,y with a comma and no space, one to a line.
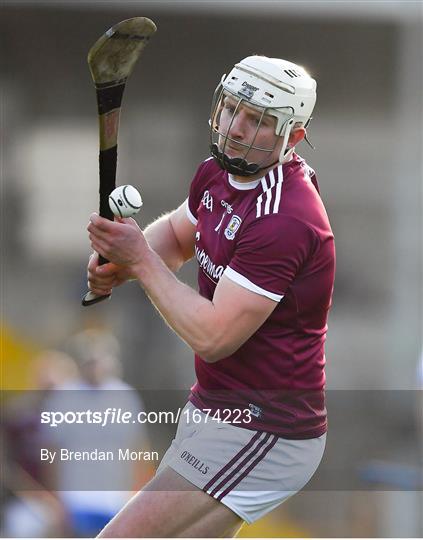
296,135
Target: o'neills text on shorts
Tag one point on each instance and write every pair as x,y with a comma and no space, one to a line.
195,462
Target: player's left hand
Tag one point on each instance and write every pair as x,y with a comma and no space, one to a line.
121,241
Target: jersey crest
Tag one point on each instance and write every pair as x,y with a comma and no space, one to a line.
232,227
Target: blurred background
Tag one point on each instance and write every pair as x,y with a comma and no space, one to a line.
367,58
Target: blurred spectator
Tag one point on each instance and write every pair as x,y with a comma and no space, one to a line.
49,370
28,508
85,487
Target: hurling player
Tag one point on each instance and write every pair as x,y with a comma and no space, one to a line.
256,224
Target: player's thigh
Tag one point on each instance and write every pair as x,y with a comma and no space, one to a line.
169,506
206,527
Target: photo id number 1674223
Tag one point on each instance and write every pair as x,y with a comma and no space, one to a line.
225,416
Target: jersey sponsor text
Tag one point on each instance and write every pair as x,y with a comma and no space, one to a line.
213,271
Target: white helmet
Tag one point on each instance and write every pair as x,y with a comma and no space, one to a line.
279,88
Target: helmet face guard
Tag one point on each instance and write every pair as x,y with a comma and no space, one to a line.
239,166
272,87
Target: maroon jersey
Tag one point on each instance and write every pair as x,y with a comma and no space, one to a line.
273,237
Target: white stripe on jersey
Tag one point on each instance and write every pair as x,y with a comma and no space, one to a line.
260,197
247,284
264,183
258,205
278,190
270,192
191,217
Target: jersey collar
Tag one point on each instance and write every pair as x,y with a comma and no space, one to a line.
243,186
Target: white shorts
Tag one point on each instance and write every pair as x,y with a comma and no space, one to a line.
251,472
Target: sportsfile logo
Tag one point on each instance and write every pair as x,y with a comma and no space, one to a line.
207,201
210,268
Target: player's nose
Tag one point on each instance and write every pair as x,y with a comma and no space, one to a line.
238,126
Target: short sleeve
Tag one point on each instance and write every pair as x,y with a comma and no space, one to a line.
270,253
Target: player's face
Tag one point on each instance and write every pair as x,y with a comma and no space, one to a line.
243,125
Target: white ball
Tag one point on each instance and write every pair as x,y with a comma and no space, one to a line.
125,201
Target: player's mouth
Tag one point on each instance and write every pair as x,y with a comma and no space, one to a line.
234,147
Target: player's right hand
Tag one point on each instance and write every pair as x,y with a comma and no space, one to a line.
101,279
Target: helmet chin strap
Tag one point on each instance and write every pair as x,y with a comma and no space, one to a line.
241,167
237,166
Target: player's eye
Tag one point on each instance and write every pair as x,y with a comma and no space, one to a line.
267,121
230,107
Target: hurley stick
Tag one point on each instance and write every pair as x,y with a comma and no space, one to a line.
111,60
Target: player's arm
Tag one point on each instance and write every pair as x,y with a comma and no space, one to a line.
214,329
171,236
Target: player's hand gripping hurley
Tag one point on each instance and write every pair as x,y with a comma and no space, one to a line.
111,60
